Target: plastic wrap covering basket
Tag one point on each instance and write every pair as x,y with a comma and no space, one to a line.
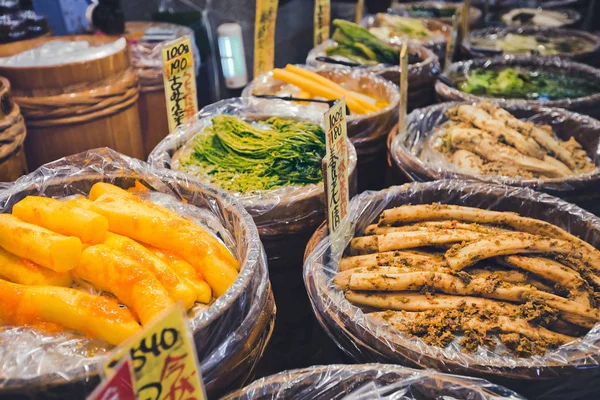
72,107
368,132
423,68
567,372
589,105
230,334
12,136
572,17
370,381
416,7
146,58
581,189
471,50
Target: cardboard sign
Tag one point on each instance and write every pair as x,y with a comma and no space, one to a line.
360,10
119,386
451,44
403,105
163,359
179,77
321,21
264,36
335,165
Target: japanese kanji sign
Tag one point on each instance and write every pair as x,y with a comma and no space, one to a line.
118,387
321,21
335,165
163,359
264,36
180,82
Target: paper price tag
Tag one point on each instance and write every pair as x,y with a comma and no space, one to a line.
179,77
119,386
451,44
335,165
264,36
321,21
464,18
163,359
360,10
403,105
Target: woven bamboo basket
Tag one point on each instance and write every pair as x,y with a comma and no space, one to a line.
69,108
12,135
230,335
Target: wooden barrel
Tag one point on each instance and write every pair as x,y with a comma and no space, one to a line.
12,135
72,107
146,58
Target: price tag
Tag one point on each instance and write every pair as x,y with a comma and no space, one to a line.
335,165
464,19
119,386
163,359
360,10
403,105
321,21
264,36
179,77
451,45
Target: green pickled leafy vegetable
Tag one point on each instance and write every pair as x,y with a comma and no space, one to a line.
242,157
359,45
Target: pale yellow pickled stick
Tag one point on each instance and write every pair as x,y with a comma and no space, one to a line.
404,320
407,240
582,268
176,286
482,120
544,138
554,272
449,284
462,256
437,212
95,316
514,277
45,248
467,162
62,218
342,279
25,272
185,269
132,283
432,225
389,258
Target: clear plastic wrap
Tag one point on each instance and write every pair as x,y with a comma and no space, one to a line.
423,68
230,334
496,36
589,105
370,381
146,53
582,188
567,369
557,16
437,43
362,128
416,9
286,210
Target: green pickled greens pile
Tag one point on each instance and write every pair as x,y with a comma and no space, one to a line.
359,45
243,157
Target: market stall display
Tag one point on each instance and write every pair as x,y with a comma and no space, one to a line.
552,42
524,81
418,227
101,222
147,41
12,131
395,29
83,96
435,10
372,103
369,381
540,17
268,155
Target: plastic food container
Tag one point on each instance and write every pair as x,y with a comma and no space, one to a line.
420,9
370,381
566,372
588,105
230,334
368,132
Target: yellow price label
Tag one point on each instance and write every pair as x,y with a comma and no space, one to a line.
321,21
451,45
264,36
403,88
360,10
163,358
179,77
464,18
